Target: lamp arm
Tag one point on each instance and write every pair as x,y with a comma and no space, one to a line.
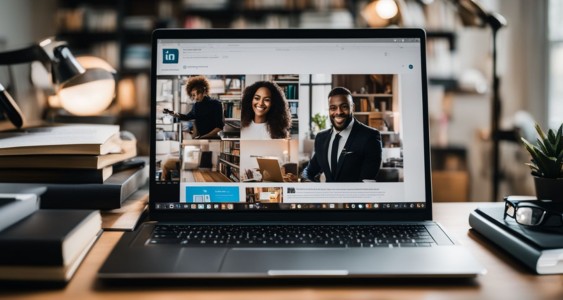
10,108
496,21
25,55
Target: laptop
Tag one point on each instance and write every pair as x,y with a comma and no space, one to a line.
270,169
212,225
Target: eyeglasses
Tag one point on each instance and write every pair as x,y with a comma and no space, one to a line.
534,212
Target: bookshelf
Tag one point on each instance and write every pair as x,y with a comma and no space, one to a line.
290,87
375,97
228,162
256,13
250,195
232,96
375,110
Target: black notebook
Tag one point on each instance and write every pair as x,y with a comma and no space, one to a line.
48,245
539,250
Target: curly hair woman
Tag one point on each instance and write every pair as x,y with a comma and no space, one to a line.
265,112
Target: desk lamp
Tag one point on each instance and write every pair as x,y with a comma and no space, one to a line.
82,91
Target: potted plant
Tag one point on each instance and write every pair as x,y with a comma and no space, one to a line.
547,163
319,121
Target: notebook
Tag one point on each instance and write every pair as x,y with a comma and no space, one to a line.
295,90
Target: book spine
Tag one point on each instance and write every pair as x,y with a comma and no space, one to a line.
93,196
133,184
35,252
41,273
519,249
54,175
81,196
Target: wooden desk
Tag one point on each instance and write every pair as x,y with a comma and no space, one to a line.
506,278
203,176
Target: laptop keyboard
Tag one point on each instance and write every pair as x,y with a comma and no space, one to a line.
389,236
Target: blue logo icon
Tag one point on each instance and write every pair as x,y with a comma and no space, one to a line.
170,56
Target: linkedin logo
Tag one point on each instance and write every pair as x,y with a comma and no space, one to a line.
169,56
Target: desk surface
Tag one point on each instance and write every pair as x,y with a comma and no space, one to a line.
506,277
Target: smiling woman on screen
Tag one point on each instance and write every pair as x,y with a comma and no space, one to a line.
265,113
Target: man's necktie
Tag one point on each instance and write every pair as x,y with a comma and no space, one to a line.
334,155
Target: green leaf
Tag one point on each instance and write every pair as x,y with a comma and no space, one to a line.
551,137
529,147
533,167
540,131
547,153
547,165
543,146
558,145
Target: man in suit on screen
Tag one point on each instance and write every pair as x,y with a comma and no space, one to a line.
349,151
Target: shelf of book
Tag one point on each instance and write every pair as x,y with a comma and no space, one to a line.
231,109
229,160
372,102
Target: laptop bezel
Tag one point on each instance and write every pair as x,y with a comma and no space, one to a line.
418,214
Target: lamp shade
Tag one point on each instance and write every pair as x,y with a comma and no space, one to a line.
382,13
89,93
83,90
93,62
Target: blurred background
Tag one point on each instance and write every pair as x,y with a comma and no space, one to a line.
460,61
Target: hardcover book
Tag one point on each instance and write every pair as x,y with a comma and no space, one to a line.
129,150
48,245
59,274
49,237
541,251
108,195
92,139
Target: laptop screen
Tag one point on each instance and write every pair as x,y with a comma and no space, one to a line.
289,124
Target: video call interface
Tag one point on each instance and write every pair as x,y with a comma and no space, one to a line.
280,141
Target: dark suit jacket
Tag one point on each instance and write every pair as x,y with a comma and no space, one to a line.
360,159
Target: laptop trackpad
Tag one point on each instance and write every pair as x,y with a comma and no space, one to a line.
285,262
199,260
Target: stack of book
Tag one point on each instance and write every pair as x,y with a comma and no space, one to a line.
539,250
43,245
80,166
69,169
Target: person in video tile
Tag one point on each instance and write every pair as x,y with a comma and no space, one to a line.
265,113
207,112
349,151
